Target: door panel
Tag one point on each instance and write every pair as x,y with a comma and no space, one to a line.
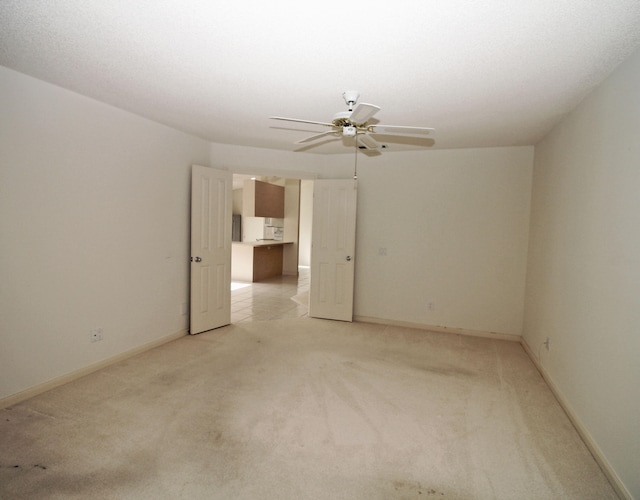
332,249
210,249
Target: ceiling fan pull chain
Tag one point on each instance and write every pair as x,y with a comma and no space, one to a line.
355,167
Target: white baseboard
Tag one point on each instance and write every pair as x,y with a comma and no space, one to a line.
598,455
69,377
443,329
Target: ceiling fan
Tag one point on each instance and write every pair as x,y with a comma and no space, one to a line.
355,123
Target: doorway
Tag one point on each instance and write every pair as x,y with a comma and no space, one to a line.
286,295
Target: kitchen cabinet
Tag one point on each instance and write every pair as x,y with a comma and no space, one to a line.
262,199
256,261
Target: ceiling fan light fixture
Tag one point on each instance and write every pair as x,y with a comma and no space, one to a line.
349,131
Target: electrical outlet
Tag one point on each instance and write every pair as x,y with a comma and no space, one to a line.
431,306
96,334
382,251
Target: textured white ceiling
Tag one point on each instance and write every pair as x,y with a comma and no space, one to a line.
483,73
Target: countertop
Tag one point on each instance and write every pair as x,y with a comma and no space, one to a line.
263,243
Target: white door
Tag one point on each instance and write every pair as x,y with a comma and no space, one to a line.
210,248
333,239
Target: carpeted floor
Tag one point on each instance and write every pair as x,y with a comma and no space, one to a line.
302,409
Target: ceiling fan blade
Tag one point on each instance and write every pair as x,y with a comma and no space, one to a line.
400,130
363,112
367,141
314,137
300,121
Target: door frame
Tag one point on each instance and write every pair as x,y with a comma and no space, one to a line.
299,175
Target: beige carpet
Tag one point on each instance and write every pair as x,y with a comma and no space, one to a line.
297,409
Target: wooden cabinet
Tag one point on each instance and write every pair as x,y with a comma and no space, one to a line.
261,199
267,262
256,262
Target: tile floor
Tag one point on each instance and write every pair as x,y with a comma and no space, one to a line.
269,299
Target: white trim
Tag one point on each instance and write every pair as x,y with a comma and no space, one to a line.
598,455
445,329
70,377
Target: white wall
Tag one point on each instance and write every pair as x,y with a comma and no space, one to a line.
454,223
236,201
306,212
265,162
94,224
583,288
454,226
252,228
94,214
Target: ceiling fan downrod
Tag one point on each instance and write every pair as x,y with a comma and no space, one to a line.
351,97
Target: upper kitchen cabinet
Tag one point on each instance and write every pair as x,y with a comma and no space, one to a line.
261,199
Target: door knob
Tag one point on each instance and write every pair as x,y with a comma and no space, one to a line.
197,259
348,258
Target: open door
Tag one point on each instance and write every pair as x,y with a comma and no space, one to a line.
333,239
210,249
